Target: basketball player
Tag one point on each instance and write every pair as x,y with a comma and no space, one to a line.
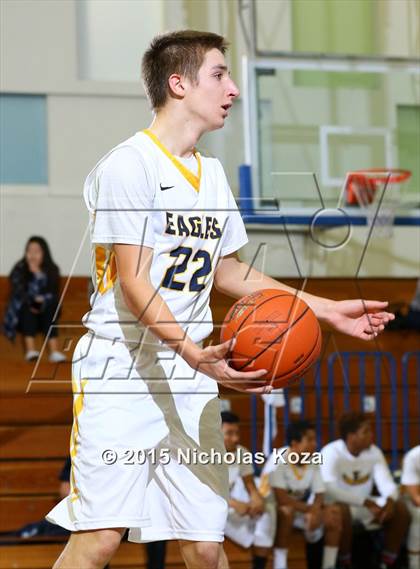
350,467
410,479
251,519
299,493
164,227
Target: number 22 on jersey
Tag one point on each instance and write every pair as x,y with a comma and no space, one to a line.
201,259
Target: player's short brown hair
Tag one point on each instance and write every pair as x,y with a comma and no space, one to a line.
351,422
175,52
296,430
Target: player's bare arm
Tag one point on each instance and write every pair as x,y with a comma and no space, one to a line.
241,508
318,502
359,318
284,499
387,511
256,504
413,490
145,303
314,514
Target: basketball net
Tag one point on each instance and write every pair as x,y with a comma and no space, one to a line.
378,192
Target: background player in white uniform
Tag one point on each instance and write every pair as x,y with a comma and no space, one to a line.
299,493
251,519
410,479
164,227
350,467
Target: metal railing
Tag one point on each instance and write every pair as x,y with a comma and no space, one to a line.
388,378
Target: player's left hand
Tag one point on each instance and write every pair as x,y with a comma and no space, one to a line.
313,517
387,511
212,361
363,319
256,505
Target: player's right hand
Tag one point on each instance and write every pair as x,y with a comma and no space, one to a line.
313,517
387,511
373,508
212,362
241,508
256,505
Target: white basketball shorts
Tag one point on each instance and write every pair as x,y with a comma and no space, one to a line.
311,536
364,515
141,418
247,531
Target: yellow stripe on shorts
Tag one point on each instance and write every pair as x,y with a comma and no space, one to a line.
74,438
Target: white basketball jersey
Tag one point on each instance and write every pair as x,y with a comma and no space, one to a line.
411,468
343,471
300,481
141,194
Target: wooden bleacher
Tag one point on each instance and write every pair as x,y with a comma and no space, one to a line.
36,410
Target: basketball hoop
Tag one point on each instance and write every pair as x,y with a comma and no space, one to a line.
378,192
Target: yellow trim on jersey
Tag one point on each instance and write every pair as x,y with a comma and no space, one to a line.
296,471
106,269
74,438
188,175
264,487
355,481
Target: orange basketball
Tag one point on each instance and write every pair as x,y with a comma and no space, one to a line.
274,330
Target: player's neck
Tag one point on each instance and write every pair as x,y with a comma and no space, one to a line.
298,452
354,450
178,134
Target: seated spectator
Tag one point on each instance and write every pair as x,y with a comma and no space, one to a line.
350,467
251,520
34,299
410,479
299,494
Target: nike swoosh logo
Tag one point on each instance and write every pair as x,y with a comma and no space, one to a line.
165,187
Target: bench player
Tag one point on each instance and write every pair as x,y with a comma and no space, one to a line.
251,519
299,494
410,479
350,468
164,227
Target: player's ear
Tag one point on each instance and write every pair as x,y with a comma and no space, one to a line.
176,85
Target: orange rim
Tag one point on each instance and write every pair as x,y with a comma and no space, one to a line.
378,175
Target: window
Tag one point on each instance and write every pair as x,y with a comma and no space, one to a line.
322,26
408,137
23,139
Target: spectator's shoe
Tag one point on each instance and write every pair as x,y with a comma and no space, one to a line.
31,355
57,357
